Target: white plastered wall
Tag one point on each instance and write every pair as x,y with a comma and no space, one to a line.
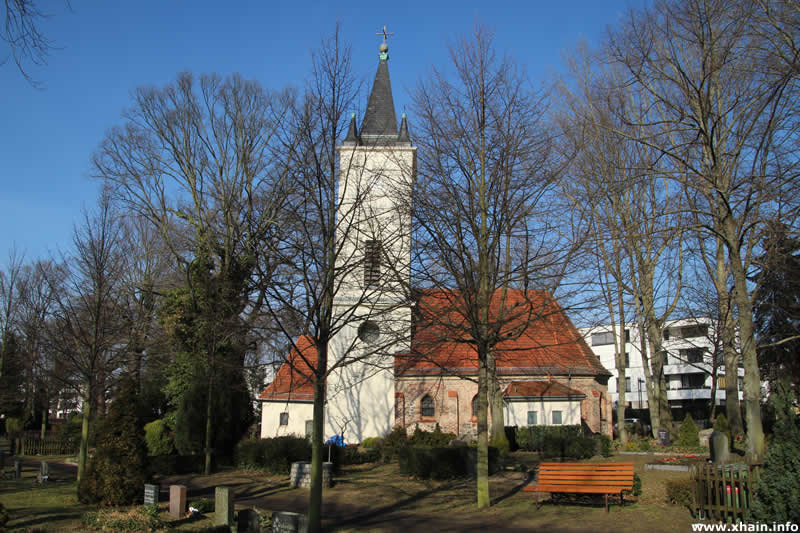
517,412
299,413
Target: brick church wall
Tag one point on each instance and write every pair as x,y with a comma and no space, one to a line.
453,396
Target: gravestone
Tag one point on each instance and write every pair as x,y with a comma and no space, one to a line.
223,506
44,472
720,448
177,501
247,521
151,494
300,475
287,522
17,469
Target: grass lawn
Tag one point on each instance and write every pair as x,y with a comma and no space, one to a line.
375,498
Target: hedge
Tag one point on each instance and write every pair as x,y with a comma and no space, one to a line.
425,462
557,441
274,455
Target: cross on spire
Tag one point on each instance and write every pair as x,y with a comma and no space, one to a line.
384,33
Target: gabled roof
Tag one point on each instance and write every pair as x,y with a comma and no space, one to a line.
536,337
540,389
293,381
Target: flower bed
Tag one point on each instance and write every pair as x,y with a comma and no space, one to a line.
679,463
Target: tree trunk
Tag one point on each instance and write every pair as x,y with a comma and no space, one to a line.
209,428
752,379
497,433
83,452
315,494
45,412
483,434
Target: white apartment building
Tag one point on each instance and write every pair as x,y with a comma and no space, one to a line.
689,351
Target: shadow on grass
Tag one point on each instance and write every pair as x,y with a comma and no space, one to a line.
514,490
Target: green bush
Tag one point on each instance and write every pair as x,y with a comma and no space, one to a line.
372,442
3,518
117,471
688,435
168,465
425,462
158,438
721,425
644,445
274,455
637,486
351,455
435,438
777,495
680,491
605,445
392,443
556,441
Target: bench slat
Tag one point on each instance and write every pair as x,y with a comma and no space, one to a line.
575,488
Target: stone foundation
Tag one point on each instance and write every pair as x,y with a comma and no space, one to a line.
300,475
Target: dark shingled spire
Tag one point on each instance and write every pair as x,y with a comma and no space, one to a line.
380,122
403,136
352,134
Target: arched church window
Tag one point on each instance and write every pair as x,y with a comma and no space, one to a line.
428,409
372,262
475,405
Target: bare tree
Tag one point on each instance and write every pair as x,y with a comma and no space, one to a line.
727,129
195,159
482,223
88,330
343,248
21,31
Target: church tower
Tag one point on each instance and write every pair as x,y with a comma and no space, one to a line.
377,167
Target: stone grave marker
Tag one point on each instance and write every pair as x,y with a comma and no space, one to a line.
247,521
17,469
720,448
287,522
177,501
151,494
44,472
223,506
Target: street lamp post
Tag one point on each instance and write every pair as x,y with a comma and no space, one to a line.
640,393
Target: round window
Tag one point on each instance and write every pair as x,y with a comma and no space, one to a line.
369,331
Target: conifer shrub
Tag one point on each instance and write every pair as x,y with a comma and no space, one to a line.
777,494
688,435
556,441
117,471
434,438
158,438
396,440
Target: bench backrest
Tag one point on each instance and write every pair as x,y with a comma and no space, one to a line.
587,474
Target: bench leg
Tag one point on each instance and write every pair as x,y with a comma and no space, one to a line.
606,502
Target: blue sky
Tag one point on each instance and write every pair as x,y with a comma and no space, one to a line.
108,48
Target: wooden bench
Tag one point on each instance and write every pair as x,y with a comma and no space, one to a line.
583,478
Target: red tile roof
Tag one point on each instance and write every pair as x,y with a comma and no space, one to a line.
536,337
527,389
293,381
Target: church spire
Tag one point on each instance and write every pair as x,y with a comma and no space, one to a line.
380,121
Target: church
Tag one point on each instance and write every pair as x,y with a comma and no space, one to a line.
402,369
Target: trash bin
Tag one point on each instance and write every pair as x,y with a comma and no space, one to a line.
663,437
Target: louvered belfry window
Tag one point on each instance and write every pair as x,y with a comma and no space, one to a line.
372,262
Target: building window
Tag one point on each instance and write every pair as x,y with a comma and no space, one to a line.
309,428
627,335
372,263
556,418
693,381
692,355
627,384
695,330
627,360
602,339
427,410
721,384
741,383
664,357
666,334
284,419
532,418
475,405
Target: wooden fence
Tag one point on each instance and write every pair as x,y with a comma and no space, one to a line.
724,492
48,446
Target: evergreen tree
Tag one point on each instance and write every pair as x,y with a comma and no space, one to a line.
777,497
777,305
116,472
